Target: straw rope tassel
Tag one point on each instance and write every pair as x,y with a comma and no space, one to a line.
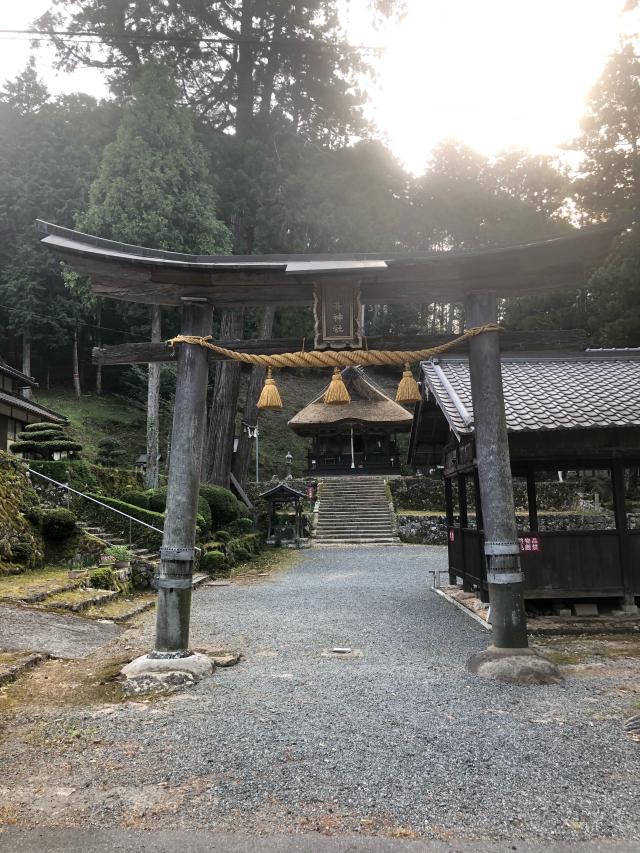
408,390
270,396
336,394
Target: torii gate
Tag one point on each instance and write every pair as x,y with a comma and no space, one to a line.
198,283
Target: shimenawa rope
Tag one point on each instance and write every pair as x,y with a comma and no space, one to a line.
333,358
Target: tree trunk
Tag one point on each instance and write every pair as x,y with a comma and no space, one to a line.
76,365
256,381
153,406
99,344
218,453
26,363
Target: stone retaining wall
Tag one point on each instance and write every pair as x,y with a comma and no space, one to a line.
427,493
432,529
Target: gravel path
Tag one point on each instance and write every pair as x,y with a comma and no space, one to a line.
395,739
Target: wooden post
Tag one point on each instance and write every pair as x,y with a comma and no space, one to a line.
628,602
504,576
177,553
532,500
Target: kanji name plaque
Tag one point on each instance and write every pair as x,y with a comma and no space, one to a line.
338,315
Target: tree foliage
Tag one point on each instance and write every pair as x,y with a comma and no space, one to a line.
153,187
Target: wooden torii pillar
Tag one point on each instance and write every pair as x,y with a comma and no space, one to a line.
504,576
174,580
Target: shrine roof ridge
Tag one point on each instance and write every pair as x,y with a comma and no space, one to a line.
577,391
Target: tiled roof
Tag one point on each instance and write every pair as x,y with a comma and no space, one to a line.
24,405
7,370
586,391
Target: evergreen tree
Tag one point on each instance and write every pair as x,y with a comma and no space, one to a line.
153,187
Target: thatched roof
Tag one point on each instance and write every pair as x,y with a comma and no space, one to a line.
369,407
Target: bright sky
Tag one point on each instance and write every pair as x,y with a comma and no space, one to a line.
493,73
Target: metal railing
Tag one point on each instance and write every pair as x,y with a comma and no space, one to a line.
96,501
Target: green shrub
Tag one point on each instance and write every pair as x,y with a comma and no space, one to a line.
136,498
102,578
51,434
222,536
40,426
205,511
58,523
118,524
45,448
214,563
213,546
21,552
58,470
34,515
240,526
157,499
224,506
110,452
240,554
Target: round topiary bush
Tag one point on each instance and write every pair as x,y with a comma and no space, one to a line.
222,536
240,554
157,499
224,506
58,523
136,498
213,546
240,526
214,563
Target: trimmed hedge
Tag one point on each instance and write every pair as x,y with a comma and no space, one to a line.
214,563
157,501
222,536
241,526
225,507
43,447
118,524
136,498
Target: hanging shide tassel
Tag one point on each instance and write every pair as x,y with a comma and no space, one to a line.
408,390
270,396
336,394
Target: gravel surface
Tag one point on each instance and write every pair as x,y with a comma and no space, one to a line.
394,738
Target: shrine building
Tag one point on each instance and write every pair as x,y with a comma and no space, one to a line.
578,412
356,438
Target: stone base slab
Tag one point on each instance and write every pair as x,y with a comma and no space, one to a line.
514,666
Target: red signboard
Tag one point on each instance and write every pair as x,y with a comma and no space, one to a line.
529,544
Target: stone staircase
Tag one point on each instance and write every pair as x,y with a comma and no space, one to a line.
142,555
354,511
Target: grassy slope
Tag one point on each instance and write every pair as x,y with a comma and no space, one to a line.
93,418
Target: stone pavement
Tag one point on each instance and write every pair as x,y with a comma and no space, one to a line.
58,635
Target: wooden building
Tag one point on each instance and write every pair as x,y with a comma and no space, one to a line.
16,411
355,438
578,412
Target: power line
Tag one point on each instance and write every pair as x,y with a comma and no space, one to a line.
80,323
89,36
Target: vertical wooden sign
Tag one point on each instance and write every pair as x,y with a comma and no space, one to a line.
338,315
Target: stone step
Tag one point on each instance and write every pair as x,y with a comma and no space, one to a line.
327,543
79,599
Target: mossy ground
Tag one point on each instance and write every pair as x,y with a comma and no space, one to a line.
119,607
74,597
32,583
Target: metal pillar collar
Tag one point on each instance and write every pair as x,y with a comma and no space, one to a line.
501,549
505,577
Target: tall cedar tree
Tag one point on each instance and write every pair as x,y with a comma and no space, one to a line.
154,189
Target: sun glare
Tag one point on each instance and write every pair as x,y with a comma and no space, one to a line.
494,74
